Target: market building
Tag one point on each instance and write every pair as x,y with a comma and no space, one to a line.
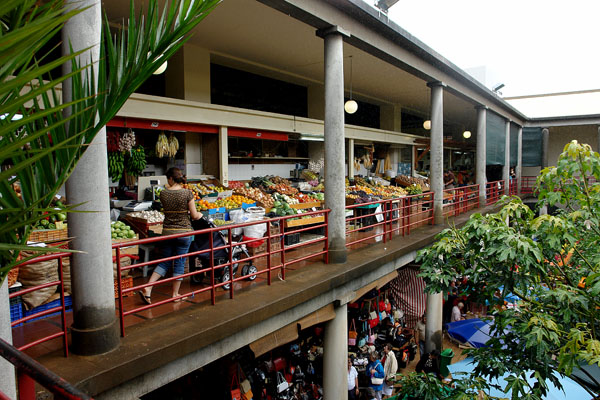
260,90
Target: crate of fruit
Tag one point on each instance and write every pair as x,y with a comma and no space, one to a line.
121,232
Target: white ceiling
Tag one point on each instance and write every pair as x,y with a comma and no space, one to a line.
252,36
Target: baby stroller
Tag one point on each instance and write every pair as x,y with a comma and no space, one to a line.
221,256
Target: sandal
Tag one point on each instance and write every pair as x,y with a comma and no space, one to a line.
180,299
145,299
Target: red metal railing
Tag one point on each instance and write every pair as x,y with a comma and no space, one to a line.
493,191
513,187
388,217
30,371
275,257
460,200
528,184
60,308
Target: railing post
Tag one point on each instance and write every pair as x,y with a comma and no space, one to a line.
325,246
283,252
26,386
282,248
120,290
211,245
63,318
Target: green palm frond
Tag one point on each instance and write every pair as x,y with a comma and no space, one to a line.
40,151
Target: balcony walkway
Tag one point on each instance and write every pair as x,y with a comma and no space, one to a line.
175,330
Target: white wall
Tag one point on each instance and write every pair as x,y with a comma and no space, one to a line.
247,171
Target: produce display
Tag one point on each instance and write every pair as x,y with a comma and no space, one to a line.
50,221
112,141
198,189
236,184
281,208
136,161
166,147
203,205
256,194
116,165
120,230
406,180
127,141
152,216
284,198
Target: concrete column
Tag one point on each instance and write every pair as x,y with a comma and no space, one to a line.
545,139
351,170
506,169
7,371
433,325
519,169
335,356
436,153
95,328
223,156
334,142
480,156
390,118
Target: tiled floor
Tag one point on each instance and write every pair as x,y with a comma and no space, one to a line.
162,291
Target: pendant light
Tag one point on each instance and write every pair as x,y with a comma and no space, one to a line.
351,106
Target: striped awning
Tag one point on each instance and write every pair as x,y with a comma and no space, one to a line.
408,293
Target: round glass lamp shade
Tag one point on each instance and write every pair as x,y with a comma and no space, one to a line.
427,124
351,106
467,134
161,69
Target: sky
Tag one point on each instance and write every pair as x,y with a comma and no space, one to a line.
532,46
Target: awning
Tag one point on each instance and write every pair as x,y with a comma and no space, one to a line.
289,333
256,134
140,123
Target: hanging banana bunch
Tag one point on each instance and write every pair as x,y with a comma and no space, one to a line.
162,145
356,164
367,161
116,165
173,145
136,162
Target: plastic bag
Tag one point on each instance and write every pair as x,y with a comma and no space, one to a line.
238,217
255,231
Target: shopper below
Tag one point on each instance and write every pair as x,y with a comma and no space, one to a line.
352,381
390,367
376,376
457,312
420,333
430,364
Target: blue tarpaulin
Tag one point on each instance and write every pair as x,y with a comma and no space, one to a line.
474,332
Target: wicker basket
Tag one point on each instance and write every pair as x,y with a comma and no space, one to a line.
47,235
